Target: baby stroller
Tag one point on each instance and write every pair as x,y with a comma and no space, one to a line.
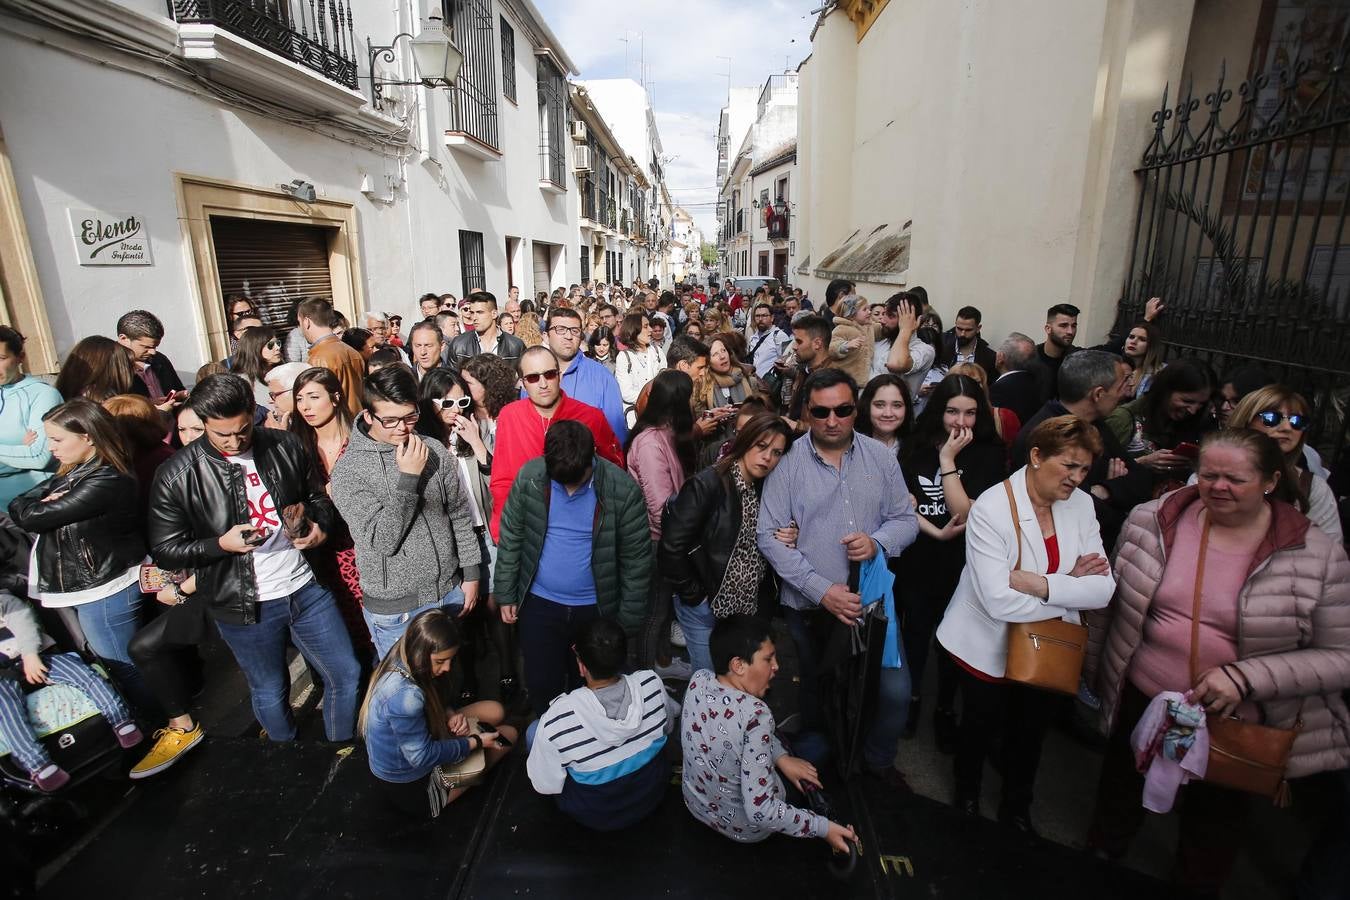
64,720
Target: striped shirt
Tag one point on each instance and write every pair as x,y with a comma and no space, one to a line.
867,493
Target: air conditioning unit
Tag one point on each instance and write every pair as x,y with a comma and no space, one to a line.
581,158
578,130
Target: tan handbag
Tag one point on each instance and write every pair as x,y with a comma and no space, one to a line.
1244,756
469,770
1049,654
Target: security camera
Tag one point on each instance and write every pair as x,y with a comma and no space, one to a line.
300,190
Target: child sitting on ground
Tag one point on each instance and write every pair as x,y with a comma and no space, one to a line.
732,757
25,653
599,748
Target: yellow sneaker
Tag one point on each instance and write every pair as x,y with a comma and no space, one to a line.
170,744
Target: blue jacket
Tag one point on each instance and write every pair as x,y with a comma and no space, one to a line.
590,382
22,406
400,747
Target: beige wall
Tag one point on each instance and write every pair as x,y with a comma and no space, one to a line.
1006,130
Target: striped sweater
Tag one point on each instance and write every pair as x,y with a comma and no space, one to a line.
607,768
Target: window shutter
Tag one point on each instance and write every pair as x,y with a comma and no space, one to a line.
272,263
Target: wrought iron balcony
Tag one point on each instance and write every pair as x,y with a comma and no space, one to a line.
316,35
588,200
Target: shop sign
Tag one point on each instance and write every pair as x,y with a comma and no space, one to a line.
110,239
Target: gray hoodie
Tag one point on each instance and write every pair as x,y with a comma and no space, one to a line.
413,533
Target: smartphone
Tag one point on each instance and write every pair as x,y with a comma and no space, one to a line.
1187,449
255,537
500,742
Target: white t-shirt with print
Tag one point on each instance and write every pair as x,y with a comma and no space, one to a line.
279,568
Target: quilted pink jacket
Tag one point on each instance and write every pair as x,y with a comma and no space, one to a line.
1293,625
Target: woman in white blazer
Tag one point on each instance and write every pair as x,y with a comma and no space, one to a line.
638,362
1063,570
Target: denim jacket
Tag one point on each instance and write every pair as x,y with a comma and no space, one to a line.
398,742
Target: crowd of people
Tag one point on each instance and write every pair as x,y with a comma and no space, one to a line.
566,511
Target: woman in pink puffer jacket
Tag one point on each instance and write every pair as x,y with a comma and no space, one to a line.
1274,638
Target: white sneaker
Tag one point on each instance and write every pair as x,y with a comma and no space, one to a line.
677,635
679,669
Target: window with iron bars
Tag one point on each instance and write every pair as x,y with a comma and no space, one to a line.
585,263
552,123
508,60
473,96
472,266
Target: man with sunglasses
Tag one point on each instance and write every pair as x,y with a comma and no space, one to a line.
583,378
485,337
846,495
522,425
409,513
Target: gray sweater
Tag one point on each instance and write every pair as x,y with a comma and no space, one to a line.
413,533
20,631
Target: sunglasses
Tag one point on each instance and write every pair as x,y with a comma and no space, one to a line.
842,412
394,421
273,344
1270,418
547,375
451,402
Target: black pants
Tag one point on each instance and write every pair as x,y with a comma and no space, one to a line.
547,632
1021,716
1211,817
168,664
654,635
922,604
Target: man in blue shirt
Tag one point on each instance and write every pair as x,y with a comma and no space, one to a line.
574,546
583,378
845,493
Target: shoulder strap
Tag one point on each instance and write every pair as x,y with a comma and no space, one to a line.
1195,601
759,343
1017,521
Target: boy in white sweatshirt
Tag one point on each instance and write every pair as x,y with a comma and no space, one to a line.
600,747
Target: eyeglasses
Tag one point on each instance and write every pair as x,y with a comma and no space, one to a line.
566,330
842,412
533,377
1270,418
451,402
394,421
275,394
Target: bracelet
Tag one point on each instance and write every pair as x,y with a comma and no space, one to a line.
952,472
1241,693
179,596
474,737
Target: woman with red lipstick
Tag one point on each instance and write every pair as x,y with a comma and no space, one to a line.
322,422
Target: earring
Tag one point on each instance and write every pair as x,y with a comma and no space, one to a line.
1266,493
1035,465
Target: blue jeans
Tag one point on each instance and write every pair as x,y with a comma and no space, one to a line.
697,624
62,668
108,627
311,617
387,628
548,632
894,693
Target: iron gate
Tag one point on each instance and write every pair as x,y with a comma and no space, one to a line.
1240,228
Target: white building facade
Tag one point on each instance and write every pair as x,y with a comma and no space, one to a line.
756,200
241,143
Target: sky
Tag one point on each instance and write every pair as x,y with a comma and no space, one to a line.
686,46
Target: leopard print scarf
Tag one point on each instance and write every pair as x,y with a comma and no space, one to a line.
739,592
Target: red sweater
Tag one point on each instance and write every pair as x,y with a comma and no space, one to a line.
520,438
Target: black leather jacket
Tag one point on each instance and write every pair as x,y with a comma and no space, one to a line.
88,537
698,532
198,496
466,346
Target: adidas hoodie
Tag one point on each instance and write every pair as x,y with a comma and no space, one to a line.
608,772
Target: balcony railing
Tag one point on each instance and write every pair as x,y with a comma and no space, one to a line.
778,227
740,221
611,214
317,36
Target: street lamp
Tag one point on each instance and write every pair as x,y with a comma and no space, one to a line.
435,58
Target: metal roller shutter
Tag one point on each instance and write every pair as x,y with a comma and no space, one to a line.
272,263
